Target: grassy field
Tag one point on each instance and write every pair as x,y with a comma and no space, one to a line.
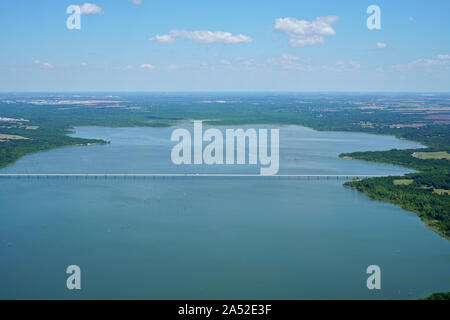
431,155
442,191
402,182
11,137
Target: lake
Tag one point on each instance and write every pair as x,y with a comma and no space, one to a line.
211,238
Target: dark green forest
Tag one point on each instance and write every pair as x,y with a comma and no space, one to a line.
439,296
419,196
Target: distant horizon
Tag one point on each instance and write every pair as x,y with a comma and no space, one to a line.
255,91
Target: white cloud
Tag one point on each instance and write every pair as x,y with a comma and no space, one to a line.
442,63
147,66
289,59
429,62
137,2
44,65
165,38
381,45
90,8
343,66
172,67
245,62
354,64
291,62
225,62
202,36
84,64
306,33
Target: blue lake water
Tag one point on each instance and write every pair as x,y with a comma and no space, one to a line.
187,238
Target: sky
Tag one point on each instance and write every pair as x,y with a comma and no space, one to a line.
217,45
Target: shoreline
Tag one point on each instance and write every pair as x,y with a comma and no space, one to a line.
428,222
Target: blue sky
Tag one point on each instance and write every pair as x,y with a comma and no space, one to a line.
168,45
